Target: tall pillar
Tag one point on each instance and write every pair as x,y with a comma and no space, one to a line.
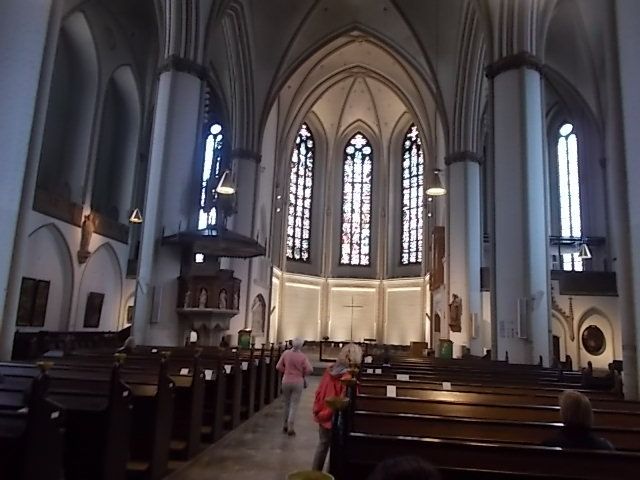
169,199
246,169
520,270
24,26
465,244
623,171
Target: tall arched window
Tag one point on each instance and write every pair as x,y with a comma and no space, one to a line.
355,247
412,173
569,192
210,173
300,192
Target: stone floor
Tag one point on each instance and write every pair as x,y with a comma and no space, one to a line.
258,448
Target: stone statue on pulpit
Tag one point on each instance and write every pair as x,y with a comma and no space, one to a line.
455,314
222,300
187,299
202,300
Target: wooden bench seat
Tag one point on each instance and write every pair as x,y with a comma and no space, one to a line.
464,409
477,387
31,438
479,430
479,461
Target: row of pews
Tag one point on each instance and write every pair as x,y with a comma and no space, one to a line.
101,416
477,420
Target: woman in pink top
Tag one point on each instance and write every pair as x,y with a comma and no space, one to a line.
295,366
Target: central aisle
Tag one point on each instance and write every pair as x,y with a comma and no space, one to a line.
258,448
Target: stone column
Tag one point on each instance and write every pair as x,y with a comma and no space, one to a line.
24,32
520,270
623,171
465,244
245,166
169,202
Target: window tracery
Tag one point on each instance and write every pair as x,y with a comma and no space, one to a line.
355,246
300,196
569,192
412,197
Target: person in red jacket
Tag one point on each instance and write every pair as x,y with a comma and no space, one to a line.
330,386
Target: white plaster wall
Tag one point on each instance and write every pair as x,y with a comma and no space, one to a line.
49,259
51,254
364,315
273,317
391,311
404,312
102,274
301,309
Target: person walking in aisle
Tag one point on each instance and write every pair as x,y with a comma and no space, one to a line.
295,366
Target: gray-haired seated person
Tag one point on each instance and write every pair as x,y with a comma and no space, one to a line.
128,347
577,417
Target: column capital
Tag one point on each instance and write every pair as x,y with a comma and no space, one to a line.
174,63
462,156
246,154
513,62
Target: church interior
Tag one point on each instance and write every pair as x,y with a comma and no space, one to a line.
446,183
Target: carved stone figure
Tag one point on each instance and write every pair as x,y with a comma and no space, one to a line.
258,312
222,300
87,229
202,299
455,314
187,299
236,300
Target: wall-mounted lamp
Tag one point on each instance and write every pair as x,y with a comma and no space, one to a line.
136,216
584,252
226,185
435,187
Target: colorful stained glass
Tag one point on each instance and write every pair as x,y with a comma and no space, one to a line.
300,195
412,200
210,174
355,245
569,193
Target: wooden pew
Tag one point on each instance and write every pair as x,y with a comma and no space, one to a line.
97,421
485,409
31,440
479,430
360,453
188,376
474,386
153,397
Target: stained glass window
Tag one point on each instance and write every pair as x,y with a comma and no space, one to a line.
569,192
357,172
300,192
210,174
412,181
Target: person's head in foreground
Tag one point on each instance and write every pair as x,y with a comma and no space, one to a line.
405,468
296,344
350,354
575,409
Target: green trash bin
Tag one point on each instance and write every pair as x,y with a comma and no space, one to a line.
309,475
446,348
244,338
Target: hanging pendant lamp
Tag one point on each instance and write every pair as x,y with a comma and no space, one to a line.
435,187
584,252
226,185
136,216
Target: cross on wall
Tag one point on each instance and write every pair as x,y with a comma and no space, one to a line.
352,306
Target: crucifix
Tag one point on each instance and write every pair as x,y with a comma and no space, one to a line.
352,307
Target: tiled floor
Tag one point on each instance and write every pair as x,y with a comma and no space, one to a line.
258,448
